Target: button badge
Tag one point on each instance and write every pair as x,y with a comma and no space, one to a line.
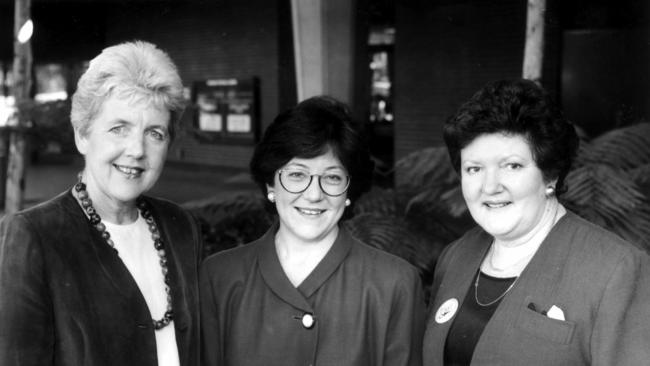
446,311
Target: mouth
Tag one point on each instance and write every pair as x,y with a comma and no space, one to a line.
310,211
130,172
495,205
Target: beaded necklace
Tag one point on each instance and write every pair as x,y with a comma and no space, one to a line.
96,222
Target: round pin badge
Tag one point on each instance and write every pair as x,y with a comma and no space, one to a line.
446,311
308,321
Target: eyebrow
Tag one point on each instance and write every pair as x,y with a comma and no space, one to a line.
307,168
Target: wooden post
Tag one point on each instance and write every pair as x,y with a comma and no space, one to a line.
534,48
22,82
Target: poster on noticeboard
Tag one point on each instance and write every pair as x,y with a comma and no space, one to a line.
227,110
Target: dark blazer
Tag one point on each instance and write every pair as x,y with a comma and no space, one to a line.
66,298
368,308
601,282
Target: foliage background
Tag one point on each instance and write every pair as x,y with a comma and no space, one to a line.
608,185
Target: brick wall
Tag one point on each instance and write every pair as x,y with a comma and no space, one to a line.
221,39
447,50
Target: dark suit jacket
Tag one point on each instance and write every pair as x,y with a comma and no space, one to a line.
601,282
368,306
66,298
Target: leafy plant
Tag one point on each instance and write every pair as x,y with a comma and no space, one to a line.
609,185
610,182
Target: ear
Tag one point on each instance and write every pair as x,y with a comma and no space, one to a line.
269,188
81,141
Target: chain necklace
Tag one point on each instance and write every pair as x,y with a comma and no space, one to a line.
478,275
143,207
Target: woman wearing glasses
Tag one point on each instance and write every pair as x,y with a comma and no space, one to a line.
307,292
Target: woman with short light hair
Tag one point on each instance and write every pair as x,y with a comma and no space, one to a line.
102,274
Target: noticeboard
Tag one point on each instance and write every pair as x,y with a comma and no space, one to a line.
227,110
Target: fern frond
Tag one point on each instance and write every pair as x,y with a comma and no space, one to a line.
609,197
624,148
424,168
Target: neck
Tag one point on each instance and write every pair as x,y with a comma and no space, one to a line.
299,258
551,214
111,210
290,246
508,258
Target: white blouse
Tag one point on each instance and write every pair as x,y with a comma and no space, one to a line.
135,247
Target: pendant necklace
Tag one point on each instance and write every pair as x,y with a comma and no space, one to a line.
478,275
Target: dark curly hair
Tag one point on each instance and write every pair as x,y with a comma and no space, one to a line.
308,130
516,107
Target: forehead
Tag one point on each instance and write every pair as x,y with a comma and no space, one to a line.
324,161
496,145
132,110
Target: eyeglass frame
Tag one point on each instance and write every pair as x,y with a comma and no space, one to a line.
311,178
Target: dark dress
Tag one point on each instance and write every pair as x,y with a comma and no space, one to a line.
66,298
367,304
599,281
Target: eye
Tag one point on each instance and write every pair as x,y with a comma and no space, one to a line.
514,166
158,135
118,130
472,169
296,175
333,179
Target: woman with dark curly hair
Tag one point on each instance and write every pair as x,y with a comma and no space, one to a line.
307,292
533,284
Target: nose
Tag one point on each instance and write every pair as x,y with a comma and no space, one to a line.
313,192
492,182
135,145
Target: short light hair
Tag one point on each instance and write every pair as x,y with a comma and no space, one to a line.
131,70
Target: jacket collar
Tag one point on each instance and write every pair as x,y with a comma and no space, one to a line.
276,279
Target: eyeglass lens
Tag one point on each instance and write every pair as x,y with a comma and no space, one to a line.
297,181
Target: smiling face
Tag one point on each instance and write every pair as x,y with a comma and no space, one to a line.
125,148
310,216
502,185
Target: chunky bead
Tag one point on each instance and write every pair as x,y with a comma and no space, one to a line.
96,221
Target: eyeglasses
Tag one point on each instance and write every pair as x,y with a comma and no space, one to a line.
297,181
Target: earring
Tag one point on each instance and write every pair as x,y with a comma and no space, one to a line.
271,196
550,191
347,202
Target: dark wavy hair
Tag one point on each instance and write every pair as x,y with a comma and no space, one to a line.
309,130
516,107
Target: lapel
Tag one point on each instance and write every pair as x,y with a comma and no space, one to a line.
334,257
172,240
106,257
538,283
274,276
458,278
